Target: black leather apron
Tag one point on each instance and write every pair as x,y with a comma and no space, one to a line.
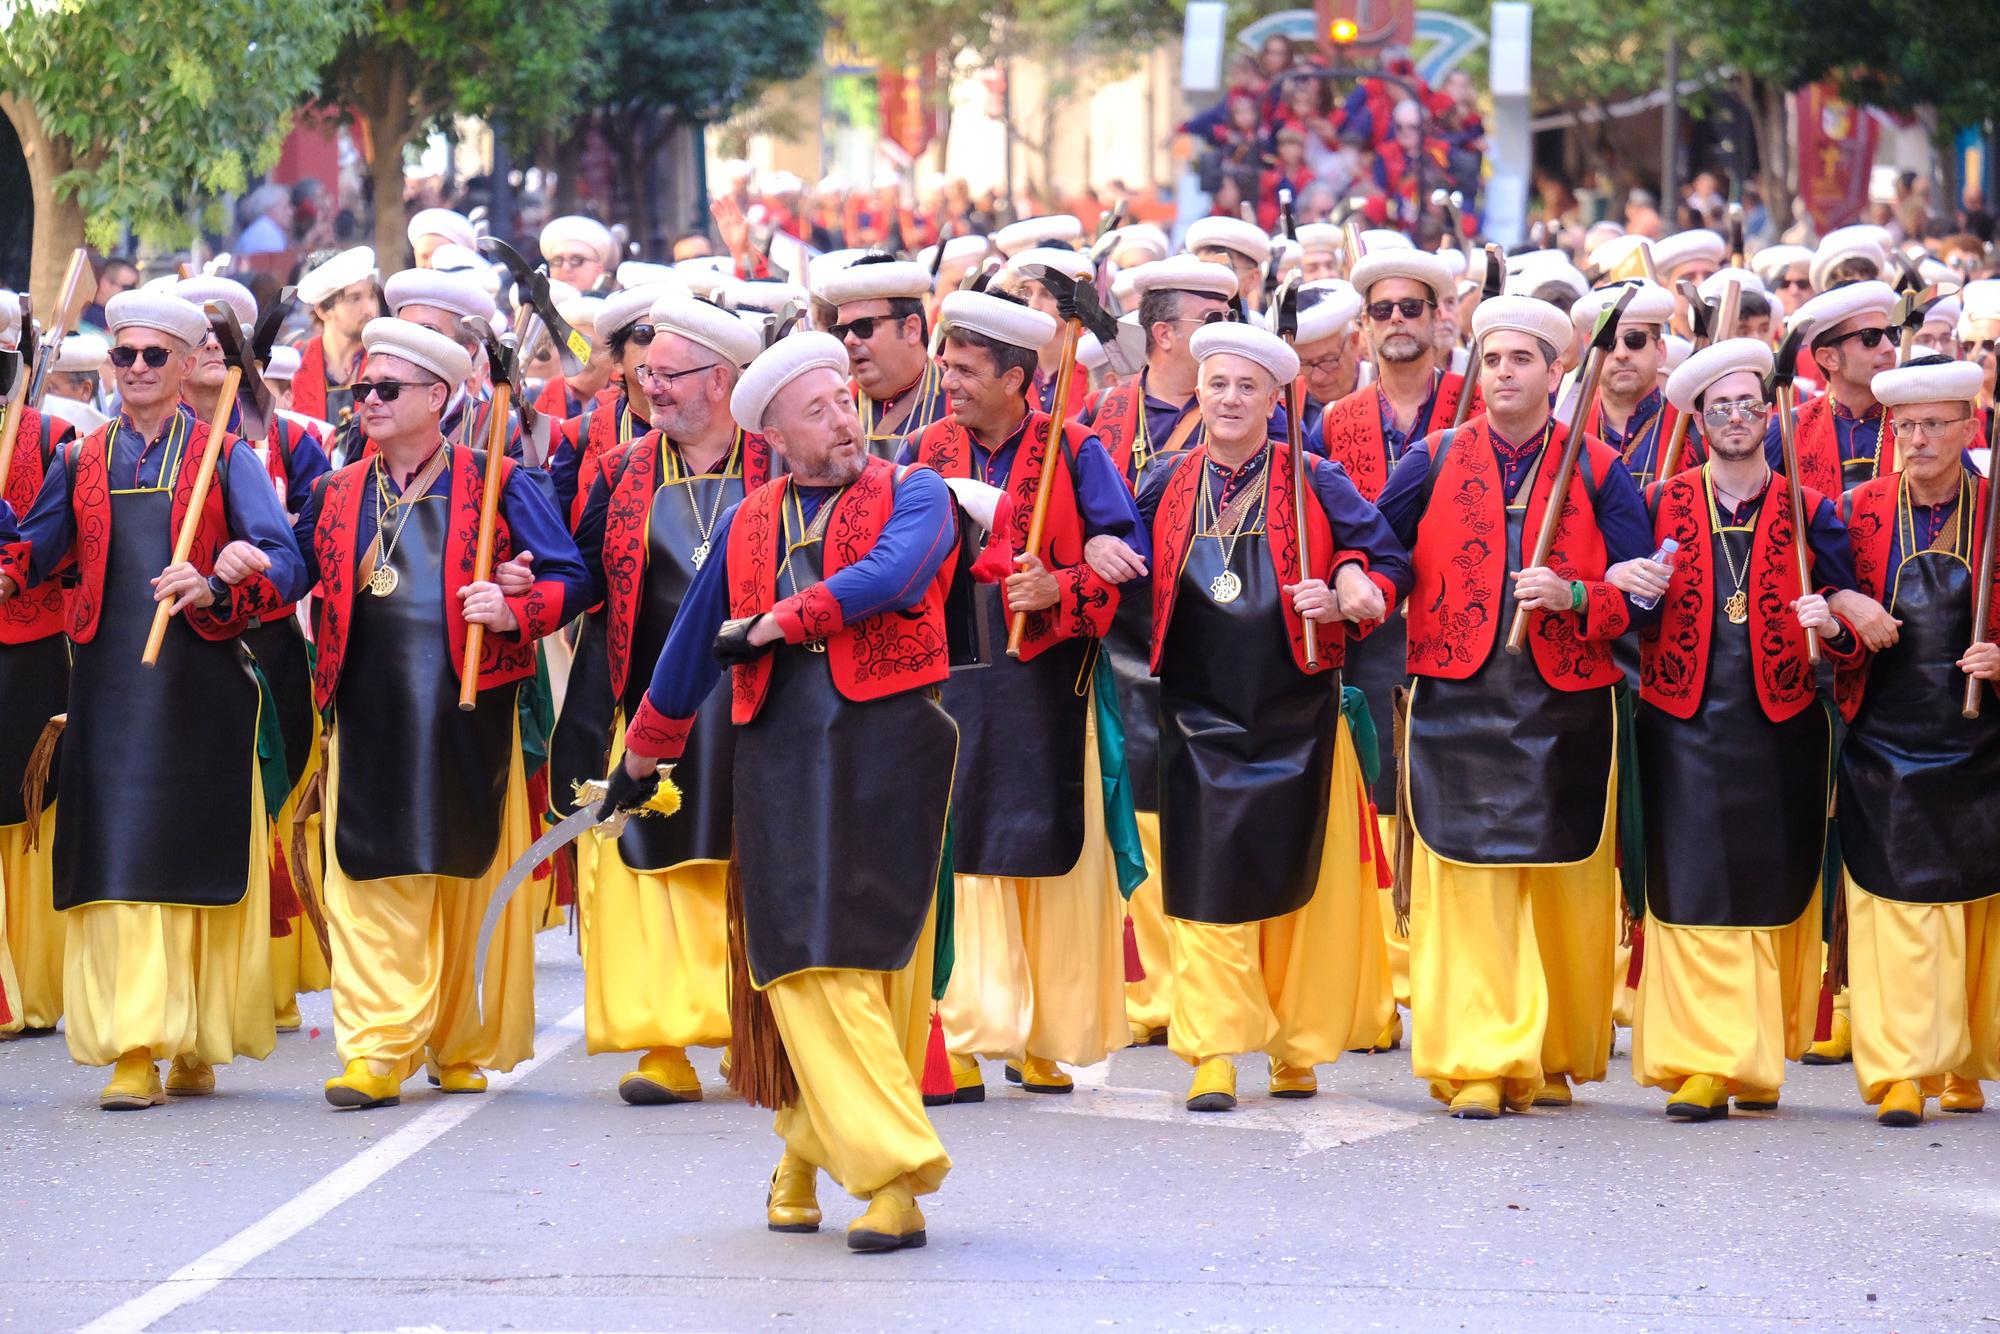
839,861
34,687
1246,747
1917,778
279,648
700,830
1504,769
580,746
1377,665
1017,809
422,784
158,770
1735,803
1129,651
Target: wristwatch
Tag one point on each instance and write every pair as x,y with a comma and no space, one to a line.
218,590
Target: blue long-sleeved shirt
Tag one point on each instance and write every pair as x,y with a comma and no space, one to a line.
892,576
249,502
566,459
305,460
1620,509
1357,525
532,525
1826,536
1858,438
1103,500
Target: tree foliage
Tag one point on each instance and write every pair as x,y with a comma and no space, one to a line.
700,60
892,29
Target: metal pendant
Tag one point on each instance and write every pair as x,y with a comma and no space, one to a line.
700,555
1225,587
383,582
815,646
1737,607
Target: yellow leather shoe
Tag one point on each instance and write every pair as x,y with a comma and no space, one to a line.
1040,1076
1838,1047
1292,1081
793,1202
357,1087
968,1085
1757,1100
1389,1039
1554,1091
664,1077
1477,1100
1214,1086
1145,1035
135,1083
1902,1105
892,1223
190,1079
1699,1098
464,1077
288,1020
1961,1095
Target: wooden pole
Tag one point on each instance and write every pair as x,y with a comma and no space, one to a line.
204,479
1017,629
482,559
1982,616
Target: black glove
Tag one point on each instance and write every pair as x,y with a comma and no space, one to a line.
732,645
623,792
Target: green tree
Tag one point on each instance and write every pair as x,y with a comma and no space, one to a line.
523,67
132,114
664,70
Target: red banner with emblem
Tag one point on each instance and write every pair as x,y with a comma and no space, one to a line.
1836,150
910,106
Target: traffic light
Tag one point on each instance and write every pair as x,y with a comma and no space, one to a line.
1343,30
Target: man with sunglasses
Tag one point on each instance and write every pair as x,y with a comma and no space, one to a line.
616,419
580,251
342,294
34,681
168,950
879,318
650,905
440,301
1508,770
1923,928
1243,247
1039,978
1786,274
1729,985
426,803
1631,414
1841,434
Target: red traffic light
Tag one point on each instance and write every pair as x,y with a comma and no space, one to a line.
1343,30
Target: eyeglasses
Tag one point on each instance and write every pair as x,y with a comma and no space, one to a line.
640,335
1321,364
863,329
156,357
570,261
649,376
1803,284
1933,429
1981,348
1411,307
1635,340
388,391
1213,317
1750,409
1870,338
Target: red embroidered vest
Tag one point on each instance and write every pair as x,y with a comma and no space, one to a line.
502,658
36,613
1461,558
1116,422
309,384
1818,446
1352,430
1173,530
875,657
1870,511
632,472
598,427
90,490
1087,603
1674,651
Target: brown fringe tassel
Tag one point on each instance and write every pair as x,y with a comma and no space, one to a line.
1406,834
35,780
312,801
759,1069
1836,950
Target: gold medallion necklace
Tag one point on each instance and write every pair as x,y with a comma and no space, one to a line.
1226,528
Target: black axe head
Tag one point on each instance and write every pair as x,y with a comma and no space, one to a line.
1496,272
531,287
1700,314
1074,300
1285,307
1606,331
1913,307
945,233
10,372
500,360
1785,366
1285,213
253,396
783,320
265,335
1735,233
31,332
1113,219
1909,279
978,278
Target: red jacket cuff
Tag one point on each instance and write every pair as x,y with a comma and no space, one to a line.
539,611
654,736
1606,614
811,614
14,562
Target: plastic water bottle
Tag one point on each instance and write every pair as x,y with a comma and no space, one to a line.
1664,556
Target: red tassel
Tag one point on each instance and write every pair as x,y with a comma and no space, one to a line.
938,1079
6,1014
1823,1027
996,558
1385,870
564,861
1638,956
1135,971
285,904
538,801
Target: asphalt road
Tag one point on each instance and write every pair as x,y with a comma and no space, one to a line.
548,1204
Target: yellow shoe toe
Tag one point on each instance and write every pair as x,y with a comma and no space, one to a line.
1902,1106
664,1077
1699,1098
1554,1092
1214,1086
358,1087
463,1077
1838,1047
190,1079
1292,1081
1961,1095
135,1083
793,1202
1477,1100
1040,1076
892,1222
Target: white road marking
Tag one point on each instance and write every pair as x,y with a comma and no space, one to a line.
1327,1121
202,1275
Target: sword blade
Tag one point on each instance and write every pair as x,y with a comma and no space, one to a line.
564,832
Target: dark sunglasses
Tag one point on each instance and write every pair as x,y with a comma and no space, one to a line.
156,357
1870,338
863,329
1804,284
1980,348
388,391
1635,340
1412,307
640,335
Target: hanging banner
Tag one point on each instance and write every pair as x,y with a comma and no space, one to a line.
1836,150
